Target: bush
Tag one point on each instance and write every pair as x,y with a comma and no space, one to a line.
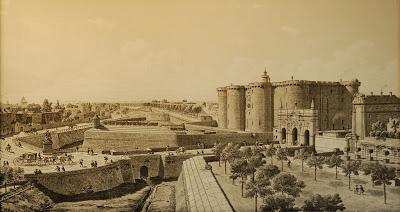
372,134
384,134
397,134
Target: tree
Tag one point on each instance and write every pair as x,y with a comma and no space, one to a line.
254,162
351,167
270,152
281,155
46,107
302,155
230,152
287,183
218,148
267,171
368,168
260,187
393,126
334,161
324,203
278,202
239,168
382,175
316,162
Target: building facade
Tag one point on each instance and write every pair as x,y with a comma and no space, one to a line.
259,106
368,109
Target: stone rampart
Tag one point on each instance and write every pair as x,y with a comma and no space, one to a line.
60,138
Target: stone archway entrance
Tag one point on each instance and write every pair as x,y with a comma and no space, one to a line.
144,172
294,137
283,135
306,138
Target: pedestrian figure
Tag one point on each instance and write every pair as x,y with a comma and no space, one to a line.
63,169
95,163
92,164
57,168
105,159
88,151
361,189
81,162
356,189
202,151
288,163
8,164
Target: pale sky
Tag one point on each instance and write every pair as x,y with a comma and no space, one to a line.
115,50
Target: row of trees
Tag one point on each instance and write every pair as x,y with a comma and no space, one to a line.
380,174
248,161
260,180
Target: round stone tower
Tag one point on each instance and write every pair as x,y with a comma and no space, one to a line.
222,104
236,107
259,105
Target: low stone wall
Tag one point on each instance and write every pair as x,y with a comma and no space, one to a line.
202,192
211,139
328,144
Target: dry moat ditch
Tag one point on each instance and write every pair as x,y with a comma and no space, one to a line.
141,197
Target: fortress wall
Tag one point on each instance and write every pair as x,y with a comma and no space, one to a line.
119,141
81,181
332,100
152,162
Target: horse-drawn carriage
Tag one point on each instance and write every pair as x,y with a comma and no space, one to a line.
34,159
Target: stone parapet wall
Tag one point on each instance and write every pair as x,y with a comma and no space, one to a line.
202,192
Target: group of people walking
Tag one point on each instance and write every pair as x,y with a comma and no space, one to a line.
60,169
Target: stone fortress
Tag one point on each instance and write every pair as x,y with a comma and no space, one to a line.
291,111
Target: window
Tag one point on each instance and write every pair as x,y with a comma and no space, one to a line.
342,100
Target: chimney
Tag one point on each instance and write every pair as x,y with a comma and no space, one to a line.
372,93
381,93
391,93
